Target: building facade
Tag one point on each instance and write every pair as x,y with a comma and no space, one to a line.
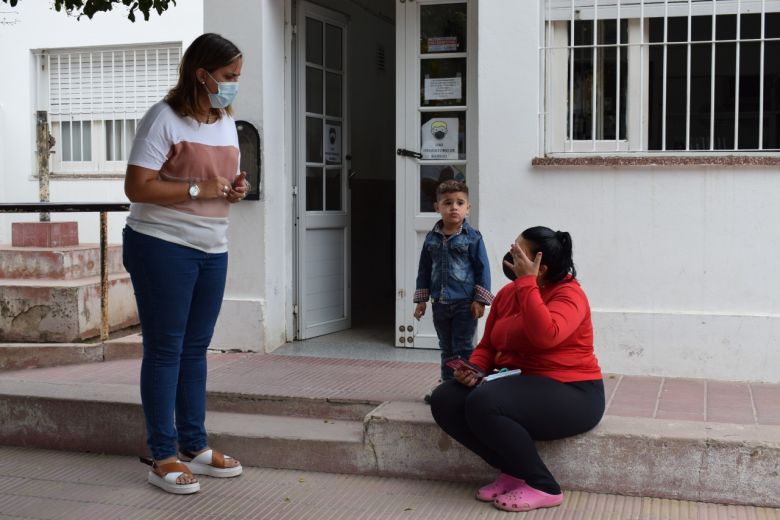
647,129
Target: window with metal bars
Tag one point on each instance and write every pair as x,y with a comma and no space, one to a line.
690,76
94,98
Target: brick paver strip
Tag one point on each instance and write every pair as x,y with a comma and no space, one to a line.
377,381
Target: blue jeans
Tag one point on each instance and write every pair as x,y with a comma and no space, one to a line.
455,327
179,293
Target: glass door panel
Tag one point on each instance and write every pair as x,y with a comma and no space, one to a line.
442,82
434,174
313,41
443,136
443,28
314,189
313,90
333,48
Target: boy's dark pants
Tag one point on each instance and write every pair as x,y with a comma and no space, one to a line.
455,327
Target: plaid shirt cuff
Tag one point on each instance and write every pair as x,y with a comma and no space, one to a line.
482,295
422,295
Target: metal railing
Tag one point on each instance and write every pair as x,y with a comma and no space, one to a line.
81,207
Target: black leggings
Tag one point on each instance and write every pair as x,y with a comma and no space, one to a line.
500,420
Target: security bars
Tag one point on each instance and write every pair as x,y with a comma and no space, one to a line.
95,98
649,76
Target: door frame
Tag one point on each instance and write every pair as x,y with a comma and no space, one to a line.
411,224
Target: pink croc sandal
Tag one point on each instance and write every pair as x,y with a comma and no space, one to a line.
503,484
526,498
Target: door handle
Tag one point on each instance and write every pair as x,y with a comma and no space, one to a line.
408,153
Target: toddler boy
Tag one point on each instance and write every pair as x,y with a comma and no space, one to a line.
454,274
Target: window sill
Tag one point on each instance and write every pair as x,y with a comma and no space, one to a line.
669,161
85,176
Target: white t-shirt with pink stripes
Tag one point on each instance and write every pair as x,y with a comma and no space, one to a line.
182,150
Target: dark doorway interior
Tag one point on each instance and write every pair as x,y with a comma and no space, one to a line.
371,101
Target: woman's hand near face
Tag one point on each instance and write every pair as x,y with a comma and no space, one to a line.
523,266
466,377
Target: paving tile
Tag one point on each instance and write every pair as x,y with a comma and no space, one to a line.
8,484
681,399
729,402
766,398
38,507
610,384
635,396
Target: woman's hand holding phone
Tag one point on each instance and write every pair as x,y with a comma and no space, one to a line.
467,377
239,188
465,372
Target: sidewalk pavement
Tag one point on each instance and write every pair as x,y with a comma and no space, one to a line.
688,439
49,485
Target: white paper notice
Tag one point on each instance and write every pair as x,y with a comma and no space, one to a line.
440,138
442,88
332,143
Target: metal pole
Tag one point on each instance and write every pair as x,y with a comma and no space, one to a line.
103,276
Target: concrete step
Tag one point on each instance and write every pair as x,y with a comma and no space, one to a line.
17,356
57,263
677,459
62,311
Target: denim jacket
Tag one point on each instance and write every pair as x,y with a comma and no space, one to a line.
453,269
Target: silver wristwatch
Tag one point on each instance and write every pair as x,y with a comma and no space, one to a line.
194,190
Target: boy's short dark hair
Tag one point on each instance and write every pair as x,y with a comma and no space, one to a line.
451,186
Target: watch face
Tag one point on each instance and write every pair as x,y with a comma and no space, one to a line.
194,191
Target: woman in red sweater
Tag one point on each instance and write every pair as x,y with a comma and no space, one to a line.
539,323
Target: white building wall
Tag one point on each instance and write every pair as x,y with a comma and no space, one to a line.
679,263
39,26
257,306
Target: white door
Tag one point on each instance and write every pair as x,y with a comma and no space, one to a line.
435,118
322,213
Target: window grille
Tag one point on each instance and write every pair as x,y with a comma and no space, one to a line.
94,98
668,76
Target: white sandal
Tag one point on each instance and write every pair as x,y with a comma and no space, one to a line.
212,463
164,476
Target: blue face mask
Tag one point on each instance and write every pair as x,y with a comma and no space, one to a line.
226,93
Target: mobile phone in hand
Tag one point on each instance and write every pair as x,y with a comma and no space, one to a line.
239,179
458,363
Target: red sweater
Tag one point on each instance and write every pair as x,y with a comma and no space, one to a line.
544,332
